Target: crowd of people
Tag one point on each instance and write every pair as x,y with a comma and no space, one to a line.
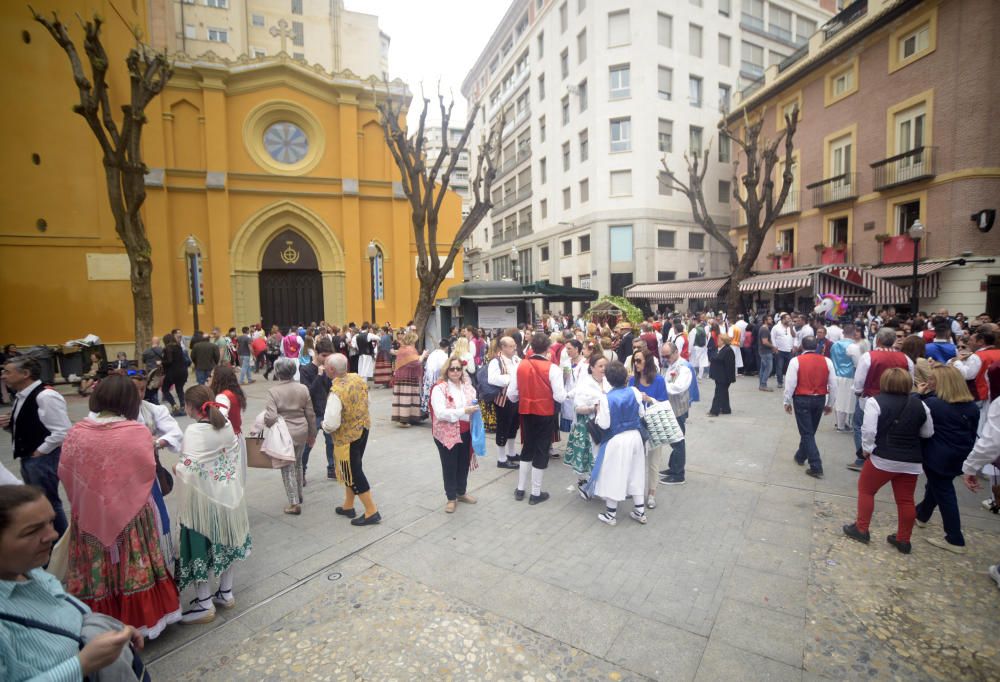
608,397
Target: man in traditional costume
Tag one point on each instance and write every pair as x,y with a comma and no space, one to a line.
500,372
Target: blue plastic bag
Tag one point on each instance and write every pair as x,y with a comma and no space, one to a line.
478,433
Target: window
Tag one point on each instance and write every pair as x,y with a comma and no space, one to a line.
664,82
296,6
914,42
724,153
581,92
581,46
566,198
665,275
221,4
540,42
298,37
564,106
780,23
725,50
620,238
909,125
299,56
543,254
218,35
258,53
696,241
905,215
695,275
257,20
664,187
665,135
565,156
541,129
694,40
621,183
724,91
840,155
664,29
725,7
567,247
696,3
753,14
694,90
543,208
189,32
837,230
804,28
665,239
580,6
751,59
584,146
695,143
541,87
564,63
585,194
522,103
841,83
620,81
621,134
725,191
583,242
619,29
541,171
563,18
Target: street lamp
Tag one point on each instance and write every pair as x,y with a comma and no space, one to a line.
916,233
515,263
701,265
372,253
191,250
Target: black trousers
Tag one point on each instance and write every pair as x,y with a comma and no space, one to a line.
352,363
537,439
507,422
360,485
720,402
455,465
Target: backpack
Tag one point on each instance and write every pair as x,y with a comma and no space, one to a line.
699,337
487,392
290,346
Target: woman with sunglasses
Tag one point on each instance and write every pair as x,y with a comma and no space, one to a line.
452,403
653,388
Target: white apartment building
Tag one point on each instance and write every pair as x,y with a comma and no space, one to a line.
460,177
594,95
318,32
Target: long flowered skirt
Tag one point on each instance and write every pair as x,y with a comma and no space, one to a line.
201,558
489,412
406,381
580,449
128,581
383,369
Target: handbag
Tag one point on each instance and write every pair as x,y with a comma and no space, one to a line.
597,434
163,477
661,425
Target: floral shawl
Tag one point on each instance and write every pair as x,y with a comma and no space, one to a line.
405,355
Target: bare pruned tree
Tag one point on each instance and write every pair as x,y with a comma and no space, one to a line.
425,187
758,197
121,145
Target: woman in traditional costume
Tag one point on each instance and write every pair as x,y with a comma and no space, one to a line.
215,529
585,397
406,382
116,565
383,361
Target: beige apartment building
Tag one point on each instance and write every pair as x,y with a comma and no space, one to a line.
315,31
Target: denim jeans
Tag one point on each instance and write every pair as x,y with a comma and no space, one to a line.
808,410
329,447
678,452
781,361
245,369
201,375
44,472
859,418
940,492
766,364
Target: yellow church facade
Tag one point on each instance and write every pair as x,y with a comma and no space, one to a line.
276,169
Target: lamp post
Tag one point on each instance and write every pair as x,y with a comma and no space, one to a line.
779,252
701,265
372,253
916,233
515,264
192,251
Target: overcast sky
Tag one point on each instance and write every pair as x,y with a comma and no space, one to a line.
434,40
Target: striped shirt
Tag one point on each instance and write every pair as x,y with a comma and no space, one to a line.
27,653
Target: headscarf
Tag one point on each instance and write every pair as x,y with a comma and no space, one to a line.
107,469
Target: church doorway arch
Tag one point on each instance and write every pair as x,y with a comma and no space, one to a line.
291,286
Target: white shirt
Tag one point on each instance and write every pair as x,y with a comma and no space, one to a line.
792,380
165,427
495,377
555,380
801,334
834,333
439,401
681,380
782,338
987,447
435,361
333,413
856,350
51,412
970,366
870,425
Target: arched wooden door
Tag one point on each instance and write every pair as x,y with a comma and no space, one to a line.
291,287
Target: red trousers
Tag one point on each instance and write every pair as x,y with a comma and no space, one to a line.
903,485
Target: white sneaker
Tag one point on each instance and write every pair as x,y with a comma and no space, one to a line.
199,613
944,544
988,504
604,517
651,502
640,517
995,573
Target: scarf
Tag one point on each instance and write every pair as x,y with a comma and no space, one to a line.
108,470
405,355
213,503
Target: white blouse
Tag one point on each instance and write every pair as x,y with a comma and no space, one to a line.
439,402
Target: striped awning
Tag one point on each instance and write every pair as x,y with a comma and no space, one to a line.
826,279
898,270
780,280
675,291
884,292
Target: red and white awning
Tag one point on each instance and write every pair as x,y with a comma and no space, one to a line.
675,291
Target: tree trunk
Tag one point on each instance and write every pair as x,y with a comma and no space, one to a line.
142,300
424,310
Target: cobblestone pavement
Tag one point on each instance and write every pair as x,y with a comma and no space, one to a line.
741,574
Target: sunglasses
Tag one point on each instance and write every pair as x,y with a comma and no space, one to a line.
454,369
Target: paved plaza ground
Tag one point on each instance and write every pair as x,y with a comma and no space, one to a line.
741,574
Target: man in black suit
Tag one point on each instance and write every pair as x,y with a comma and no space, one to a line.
625,343
723,372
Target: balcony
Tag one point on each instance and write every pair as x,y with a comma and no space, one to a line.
751,70
843,187
793,202
522,156
751,22
916,164
793,58
845,18
898,249
784,261
512,199
832,255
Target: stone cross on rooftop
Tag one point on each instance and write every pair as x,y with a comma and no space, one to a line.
282,31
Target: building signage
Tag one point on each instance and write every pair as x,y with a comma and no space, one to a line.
497,316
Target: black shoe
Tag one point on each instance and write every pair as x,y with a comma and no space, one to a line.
903,547
518,495
349,513
554,455
538,499
508,465
664,472
851,531
672,480
814,473
367,520
331,474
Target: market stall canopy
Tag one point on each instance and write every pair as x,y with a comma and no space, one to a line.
675,291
